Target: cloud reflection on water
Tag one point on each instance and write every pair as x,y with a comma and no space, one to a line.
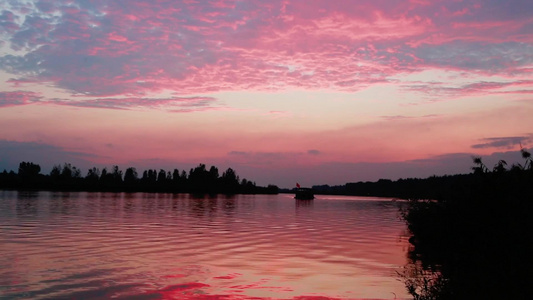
164,246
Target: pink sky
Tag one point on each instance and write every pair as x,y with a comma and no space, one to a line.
316,92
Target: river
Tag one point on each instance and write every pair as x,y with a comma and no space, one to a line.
77,245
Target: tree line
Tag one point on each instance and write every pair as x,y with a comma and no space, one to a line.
68,177
475,241
513,179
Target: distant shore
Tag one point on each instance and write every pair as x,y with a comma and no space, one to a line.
66,177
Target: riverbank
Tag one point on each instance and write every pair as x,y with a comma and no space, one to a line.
476,242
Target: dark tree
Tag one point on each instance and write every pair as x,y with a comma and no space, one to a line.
131,177
162,177
93,174
117,175
198,178
68,177
229,181
92,178
106,179
28,170
56,171
149,180
527,156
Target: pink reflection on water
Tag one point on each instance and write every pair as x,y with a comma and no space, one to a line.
174,276
196,290
178,291
229,276
167,246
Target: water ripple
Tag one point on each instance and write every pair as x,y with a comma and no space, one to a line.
146,246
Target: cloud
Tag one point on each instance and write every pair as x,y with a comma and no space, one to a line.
443,90
14,152
401,117
18,98
503,142
313,152
493,59
136,48
239,153
171,104
267,155
276,155
276,114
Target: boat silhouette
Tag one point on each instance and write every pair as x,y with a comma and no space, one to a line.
304,194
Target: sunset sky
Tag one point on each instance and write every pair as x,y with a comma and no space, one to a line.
315,92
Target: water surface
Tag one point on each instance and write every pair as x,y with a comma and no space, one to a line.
153,246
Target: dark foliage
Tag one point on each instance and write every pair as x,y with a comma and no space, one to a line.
200,180
476,241
434,187
444,188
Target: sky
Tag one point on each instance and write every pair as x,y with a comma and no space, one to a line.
314,92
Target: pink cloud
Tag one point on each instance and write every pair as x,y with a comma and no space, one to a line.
504,142
400,117
18,98
441,90
173,104
139,47
176,104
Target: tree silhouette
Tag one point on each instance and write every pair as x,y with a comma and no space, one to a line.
28,170
93,174
527,156
475,241
479,166
500,166
55,172
28,173
131,177
68,177
198,178
177,183
162,177
230,181
117,176
92,178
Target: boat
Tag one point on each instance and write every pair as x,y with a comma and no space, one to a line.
304,194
